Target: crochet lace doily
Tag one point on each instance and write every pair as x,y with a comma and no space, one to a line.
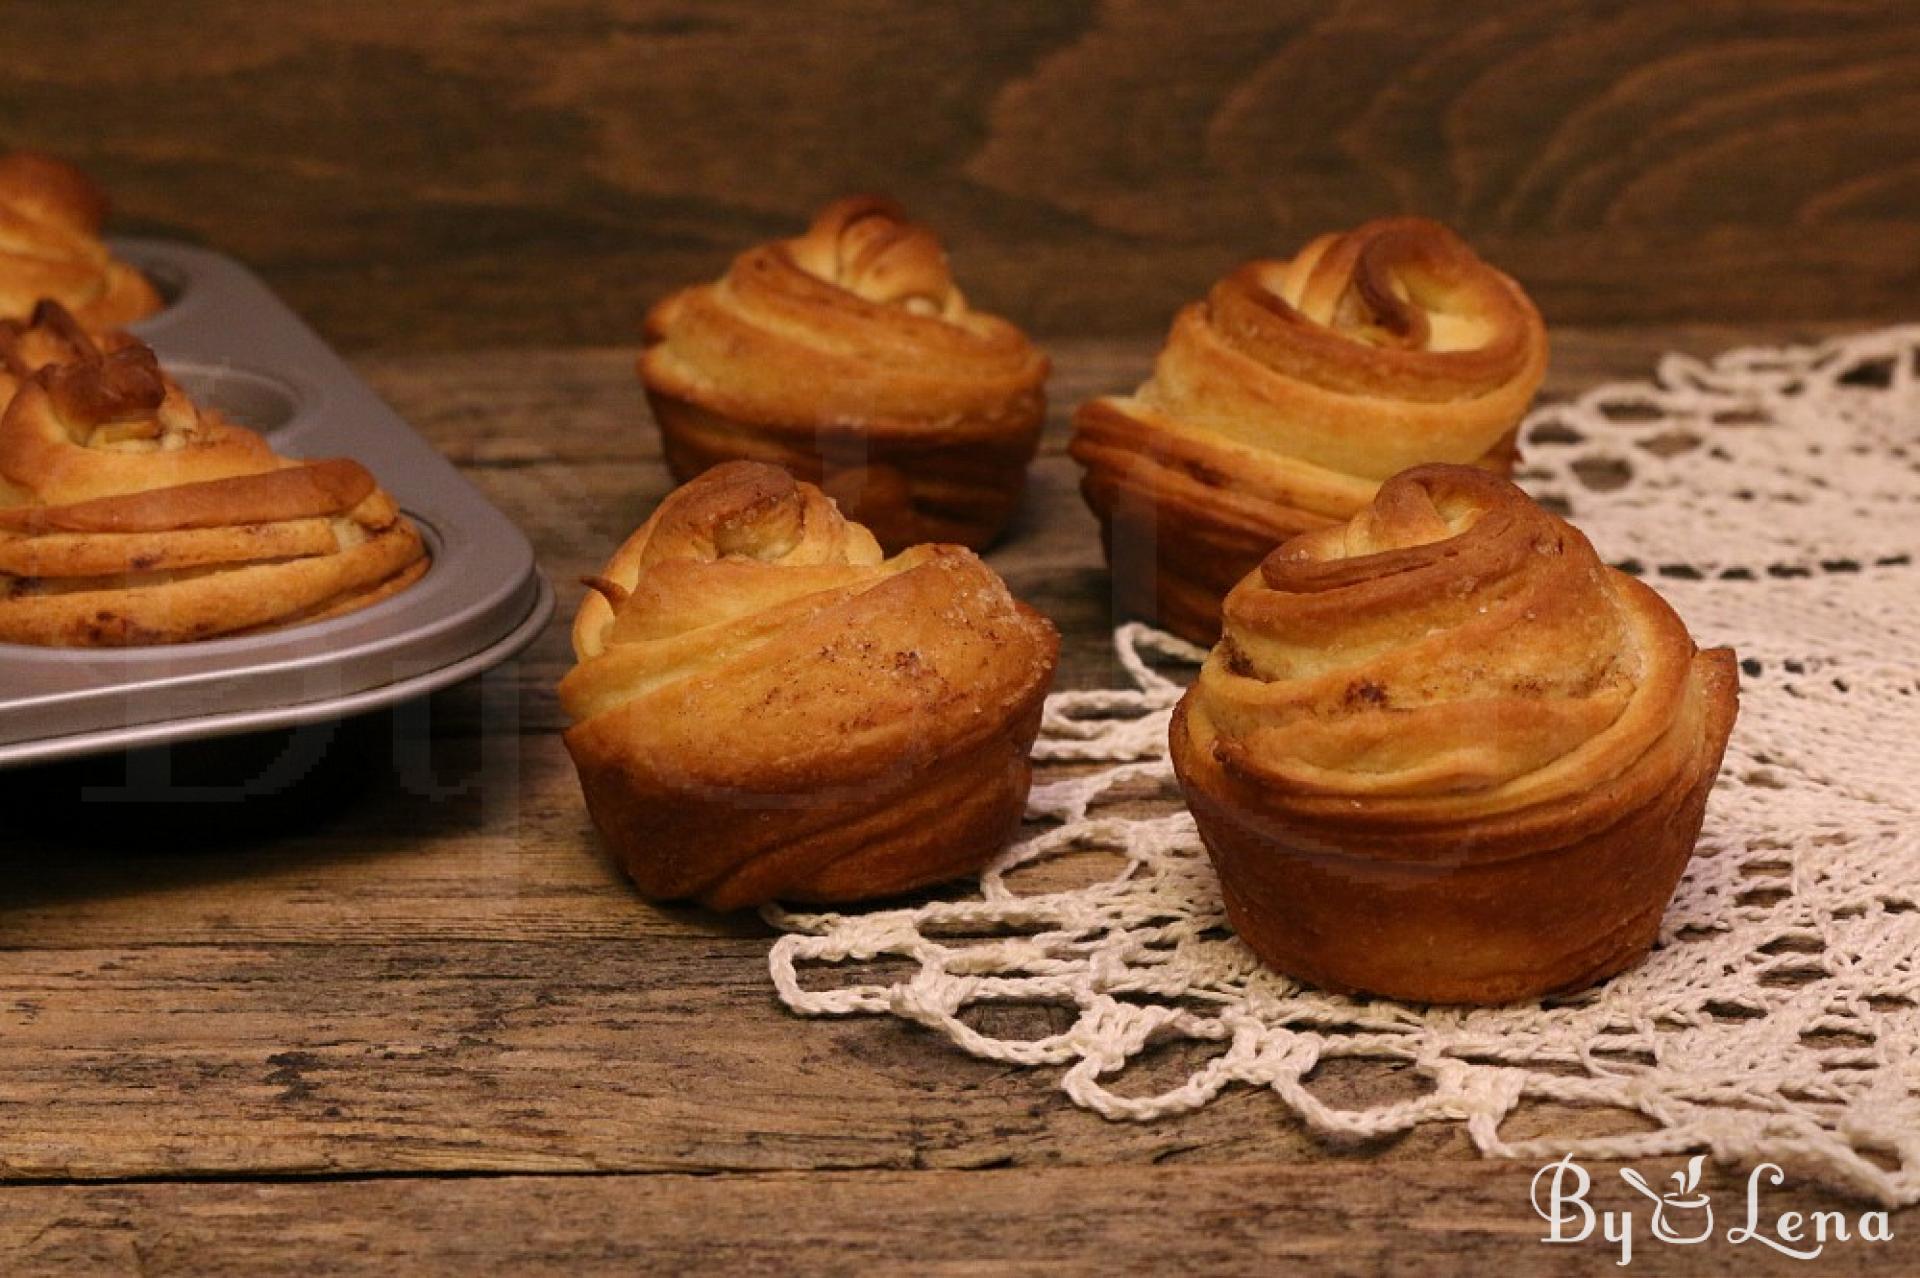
1774,497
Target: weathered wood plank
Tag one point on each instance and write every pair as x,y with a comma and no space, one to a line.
1262,1218
504,172
649,1053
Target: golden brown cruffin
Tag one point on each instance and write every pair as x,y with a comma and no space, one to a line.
106,419
767,708
1443,753
50,218
49,335
130,516
1282,401
849,357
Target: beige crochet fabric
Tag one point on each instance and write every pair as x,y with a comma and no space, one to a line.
1774,497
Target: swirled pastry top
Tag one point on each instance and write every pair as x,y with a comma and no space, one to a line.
1454,650
756,637
1368,352
97,417
49,335
50,217
857,321
129,515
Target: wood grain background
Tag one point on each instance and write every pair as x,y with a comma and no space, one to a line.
437,1019
425,176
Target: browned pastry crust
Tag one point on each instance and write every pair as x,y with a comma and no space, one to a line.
849,357
1442,753
50,217
130,516
767,708
107,419
1281,402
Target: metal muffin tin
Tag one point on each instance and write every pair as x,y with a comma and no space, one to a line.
236,347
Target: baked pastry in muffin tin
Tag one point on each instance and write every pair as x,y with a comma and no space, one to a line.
1443,753
129,515
50,247
1282,400
849,357
766,707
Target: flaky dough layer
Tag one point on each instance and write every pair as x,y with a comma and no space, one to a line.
849,357
1282,401
50,247
1443,753
130,515
766,707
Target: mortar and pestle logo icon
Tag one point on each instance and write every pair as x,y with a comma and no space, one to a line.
1684,1197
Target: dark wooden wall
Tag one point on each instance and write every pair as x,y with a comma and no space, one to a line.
502,171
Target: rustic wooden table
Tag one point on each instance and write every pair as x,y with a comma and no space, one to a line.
402,1014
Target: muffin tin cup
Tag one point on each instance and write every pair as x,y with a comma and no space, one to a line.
236,347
